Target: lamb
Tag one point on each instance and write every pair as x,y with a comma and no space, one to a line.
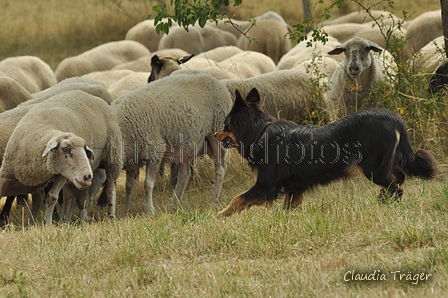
52,143
354,79
196,40
12,93
270,39
31,72
286,94
179,115
102,57
10,118
145,33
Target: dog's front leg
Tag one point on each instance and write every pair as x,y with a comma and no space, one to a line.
293,199
255,196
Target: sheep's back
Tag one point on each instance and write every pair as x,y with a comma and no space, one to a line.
180,109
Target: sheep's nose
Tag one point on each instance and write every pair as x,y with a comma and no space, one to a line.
354,68
87,177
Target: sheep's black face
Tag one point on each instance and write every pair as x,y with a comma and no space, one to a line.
439,80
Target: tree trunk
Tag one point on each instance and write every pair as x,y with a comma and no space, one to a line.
444,7
308,14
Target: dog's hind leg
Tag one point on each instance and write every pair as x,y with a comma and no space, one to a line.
390,189
293,199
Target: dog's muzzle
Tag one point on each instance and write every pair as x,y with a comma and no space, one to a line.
227,139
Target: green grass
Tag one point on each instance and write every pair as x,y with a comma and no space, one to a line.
258,253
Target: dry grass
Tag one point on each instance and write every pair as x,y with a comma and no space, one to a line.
192,252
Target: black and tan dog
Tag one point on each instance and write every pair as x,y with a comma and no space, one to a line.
289,158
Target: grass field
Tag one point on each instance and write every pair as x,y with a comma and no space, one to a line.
341,233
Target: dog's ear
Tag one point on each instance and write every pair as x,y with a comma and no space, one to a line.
253,97
239,100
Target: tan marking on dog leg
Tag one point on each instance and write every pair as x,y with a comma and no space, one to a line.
353,170
255,173
292,200
236,205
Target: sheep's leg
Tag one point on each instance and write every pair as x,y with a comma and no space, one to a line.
85,199
183,175
36,204
4,214
68,203
130,179
111,195
218,154
52,198
151,170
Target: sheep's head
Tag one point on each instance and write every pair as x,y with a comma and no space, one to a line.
357,55
164,66
70,157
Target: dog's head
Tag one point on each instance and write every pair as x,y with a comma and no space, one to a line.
238,120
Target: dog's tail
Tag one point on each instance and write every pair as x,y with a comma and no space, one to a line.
415,164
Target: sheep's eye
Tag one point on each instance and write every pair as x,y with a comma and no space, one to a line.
67,150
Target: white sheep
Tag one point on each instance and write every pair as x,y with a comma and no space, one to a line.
12,93
31,72
196,39
234,26
172,120
369,30
144,63
239,66
145,33
128,83
385,17
268,36
108,77
427,59
55,140
102,57
10,118
302,52
218,54
352,81
286,94
421,30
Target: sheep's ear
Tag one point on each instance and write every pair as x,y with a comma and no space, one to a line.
184,59
239,100
337,50
51,145
253,97
374,47
89,153
155,61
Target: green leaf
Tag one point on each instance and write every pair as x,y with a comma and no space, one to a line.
157,8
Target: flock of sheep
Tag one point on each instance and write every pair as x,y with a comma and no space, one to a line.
153,99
